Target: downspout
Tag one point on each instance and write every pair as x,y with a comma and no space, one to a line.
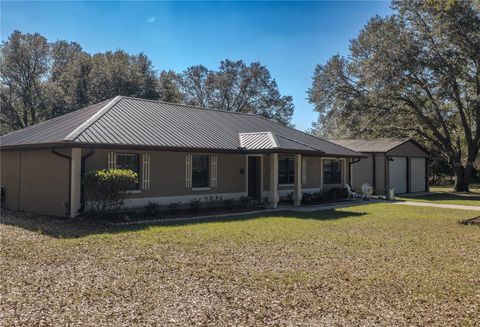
69,175
82,175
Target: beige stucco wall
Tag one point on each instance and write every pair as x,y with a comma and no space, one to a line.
35,181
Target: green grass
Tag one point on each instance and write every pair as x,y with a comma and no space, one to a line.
444,195
377,264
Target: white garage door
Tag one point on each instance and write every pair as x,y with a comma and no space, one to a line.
417,175
397,171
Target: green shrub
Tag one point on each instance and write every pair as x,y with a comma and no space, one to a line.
106,189
195,205
228,204
173,208
244,201
152,208
337,193
213,202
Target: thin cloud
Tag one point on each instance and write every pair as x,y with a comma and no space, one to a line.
151,19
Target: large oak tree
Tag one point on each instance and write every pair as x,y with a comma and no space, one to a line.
415,73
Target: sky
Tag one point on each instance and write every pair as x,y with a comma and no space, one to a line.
290,38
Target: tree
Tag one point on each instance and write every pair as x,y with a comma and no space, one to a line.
169,87
237,87
23,70
415,73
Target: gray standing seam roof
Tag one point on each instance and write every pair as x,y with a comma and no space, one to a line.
125,121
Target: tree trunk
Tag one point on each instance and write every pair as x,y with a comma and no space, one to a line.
462,177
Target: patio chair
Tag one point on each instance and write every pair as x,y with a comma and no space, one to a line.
351,194
367,191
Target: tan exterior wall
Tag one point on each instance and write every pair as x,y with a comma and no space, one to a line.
10,168
380,173
362,172
167,174
35,181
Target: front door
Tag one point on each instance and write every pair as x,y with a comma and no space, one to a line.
253,179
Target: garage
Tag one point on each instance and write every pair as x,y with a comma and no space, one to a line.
399,163
398,174
418,174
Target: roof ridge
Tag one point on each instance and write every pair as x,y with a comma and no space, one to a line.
192,106
86,124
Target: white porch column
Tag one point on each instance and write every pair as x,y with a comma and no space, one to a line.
274,180
297,189
75,181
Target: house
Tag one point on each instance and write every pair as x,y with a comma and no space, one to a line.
180,153
399,163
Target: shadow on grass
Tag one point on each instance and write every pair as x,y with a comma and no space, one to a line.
441,196
74,228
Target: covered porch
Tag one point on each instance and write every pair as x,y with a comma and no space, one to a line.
273,177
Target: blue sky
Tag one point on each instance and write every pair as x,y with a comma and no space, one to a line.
290,38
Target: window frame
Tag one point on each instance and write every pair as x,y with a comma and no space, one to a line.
206,185
332,180
136,187
290,171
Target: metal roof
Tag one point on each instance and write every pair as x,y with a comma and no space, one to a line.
376,145
125,121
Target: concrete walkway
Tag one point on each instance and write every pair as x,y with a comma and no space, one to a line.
438,205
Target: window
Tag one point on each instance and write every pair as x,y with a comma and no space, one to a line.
332,173
128,161
199,171
286,171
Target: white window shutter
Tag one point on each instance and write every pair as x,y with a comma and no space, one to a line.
188,171
213,172
112,160
304,171
146,172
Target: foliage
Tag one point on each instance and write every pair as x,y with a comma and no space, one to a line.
237,87
228,204
152,208
337,193
106,189
414,73
244,201
195,205
40,80
213,201
173,208
311,197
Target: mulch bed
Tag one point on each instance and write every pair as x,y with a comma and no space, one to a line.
180,216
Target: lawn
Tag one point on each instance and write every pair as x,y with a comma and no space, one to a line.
377,264
444,194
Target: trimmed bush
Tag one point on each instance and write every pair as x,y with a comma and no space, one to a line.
195,205
106,189
152,208
337,193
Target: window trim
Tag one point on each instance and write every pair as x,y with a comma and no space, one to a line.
207,186
330,182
